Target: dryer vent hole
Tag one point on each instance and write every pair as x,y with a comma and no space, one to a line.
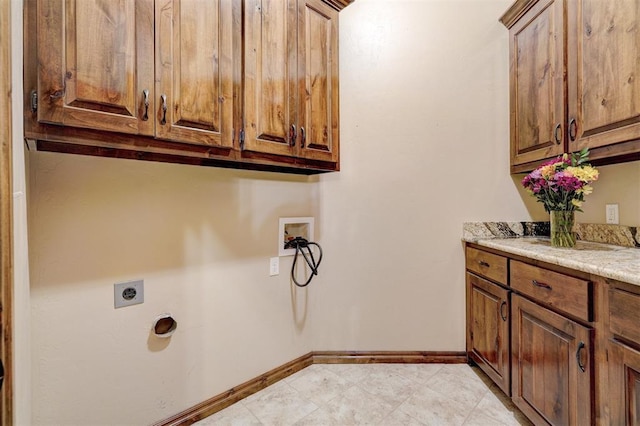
164,325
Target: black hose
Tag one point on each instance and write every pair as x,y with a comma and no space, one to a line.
300,244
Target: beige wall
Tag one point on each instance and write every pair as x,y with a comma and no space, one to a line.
424,98
618,184
21,296
424,128
201,239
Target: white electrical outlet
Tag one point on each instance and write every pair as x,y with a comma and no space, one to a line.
127,294
612,214
274,266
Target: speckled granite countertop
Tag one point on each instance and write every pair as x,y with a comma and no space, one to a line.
606,260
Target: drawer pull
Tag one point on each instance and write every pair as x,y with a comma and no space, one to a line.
483,263
502,305
541,285
580,364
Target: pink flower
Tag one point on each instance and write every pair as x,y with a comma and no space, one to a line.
568,183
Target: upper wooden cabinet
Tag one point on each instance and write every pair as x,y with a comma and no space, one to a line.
97,67
291,78
537,83
604,94
96,60
246,83
572,80
194,71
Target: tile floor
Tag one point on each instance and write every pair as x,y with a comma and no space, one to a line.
376,394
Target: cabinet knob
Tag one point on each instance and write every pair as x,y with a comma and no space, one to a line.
163,99
145,95
483,263
303,137
557,133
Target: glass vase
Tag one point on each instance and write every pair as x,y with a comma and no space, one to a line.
562,234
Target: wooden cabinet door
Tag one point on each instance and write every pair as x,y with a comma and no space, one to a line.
318,112
488,329
604,89
194,69
624,384
270,76
552,371
537,49
96,62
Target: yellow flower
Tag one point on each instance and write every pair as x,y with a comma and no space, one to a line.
584,173
586,190
576,203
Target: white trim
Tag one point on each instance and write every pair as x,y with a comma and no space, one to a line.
306,223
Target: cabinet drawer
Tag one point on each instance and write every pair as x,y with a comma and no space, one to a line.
568,294
488,265
624,314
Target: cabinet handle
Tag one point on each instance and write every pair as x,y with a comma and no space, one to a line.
303,137
557,133
580,364
541,285
483,263
292,135
145,94
573,129
163,120
34,101
502,305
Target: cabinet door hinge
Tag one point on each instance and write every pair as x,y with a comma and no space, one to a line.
242,138
34,101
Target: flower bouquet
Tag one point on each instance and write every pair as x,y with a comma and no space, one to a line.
561,185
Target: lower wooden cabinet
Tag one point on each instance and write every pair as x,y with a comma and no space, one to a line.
624,384
488,329
624,356
563,344
551,365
